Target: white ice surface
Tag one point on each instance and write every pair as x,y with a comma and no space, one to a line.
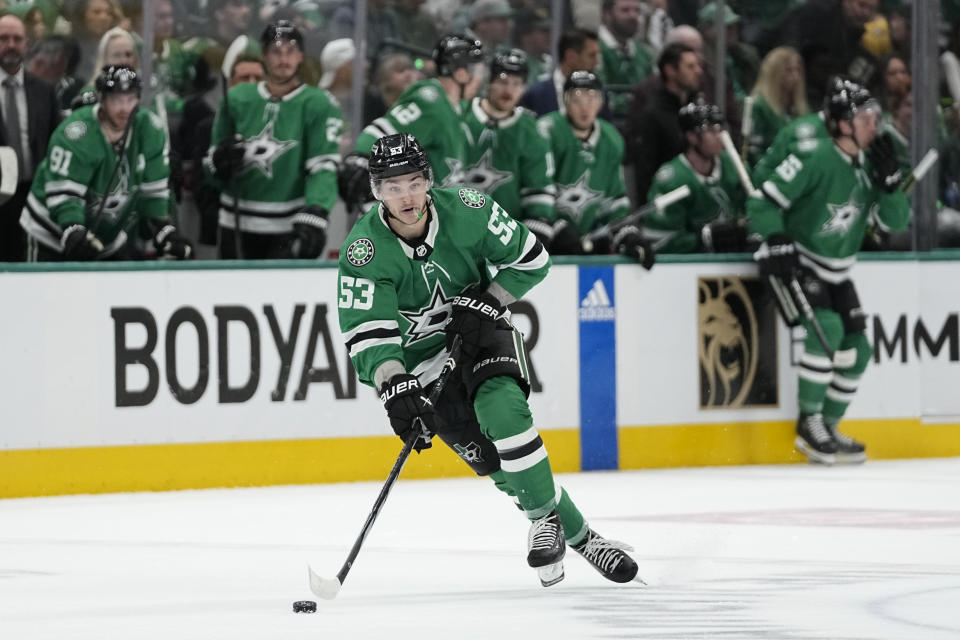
869,552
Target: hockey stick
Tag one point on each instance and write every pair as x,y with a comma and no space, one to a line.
328,588
124,141
925,164
795,290
659,203
229,58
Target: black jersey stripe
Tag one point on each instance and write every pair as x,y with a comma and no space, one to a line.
533,254
373,334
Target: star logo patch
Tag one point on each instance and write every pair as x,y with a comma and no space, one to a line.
483,176
430,319
842,217
574,199
262,150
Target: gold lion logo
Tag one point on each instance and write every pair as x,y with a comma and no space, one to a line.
727,342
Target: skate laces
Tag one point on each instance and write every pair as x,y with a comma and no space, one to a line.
817,429
606,554
842,438
544,532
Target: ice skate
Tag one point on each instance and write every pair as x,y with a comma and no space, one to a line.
546,548
608,557
814,440
849,451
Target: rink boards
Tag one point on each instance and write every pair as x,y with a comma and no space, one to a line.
225,375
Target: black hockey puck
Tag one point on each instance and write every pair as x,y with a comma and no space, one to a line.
304,606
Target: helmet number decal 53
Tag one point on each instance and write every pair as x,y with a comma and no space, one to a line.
355,293
501,224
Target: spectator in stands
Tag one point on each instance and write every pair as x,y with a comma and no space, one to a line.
117,47
711,218
382,24
33,21
90,20
532,34
30,115
656,23
337,63
828,34
491,21
778,97
414,26
392,74
577,50
894,80
623,61
742,62
653,134
231,19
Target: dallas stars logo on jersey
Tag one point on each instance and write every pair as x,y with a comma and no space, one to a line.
574,199
262,150
484,176
842,217
431,318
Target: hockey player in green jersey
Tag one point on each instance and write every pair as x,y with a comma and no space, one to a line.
711,218
103,184
508,158
588,154
432,109
274,150
414,274
813,213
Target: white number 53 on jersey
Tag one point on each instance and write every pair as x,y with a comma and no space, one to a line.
501,224
355,293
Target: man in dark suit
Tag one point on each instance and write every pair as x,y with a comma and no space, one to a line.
28,107
577,50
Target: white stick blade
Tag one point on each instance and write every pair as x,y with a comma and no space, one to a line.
322,587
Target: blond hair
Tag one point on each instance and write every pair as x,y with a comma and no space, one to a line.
113,34
768,83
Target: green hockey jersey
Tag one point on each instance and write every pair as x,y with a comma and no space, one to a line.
394,299
424,111
626,66
821,198
510,161
75,176
290,160
810,126
760,127
588,173
718,195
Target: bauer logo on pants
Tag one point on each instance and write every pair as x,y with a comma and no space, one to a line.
737,345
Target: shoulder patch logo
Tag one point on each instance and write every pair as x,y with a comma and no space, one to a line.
472,198
665,173
75,130
360,252
428,93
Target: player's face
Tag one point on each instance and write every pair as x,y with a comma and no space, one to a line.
117,108
247,71
583,107
587,58
505,91
864,127
710,142
405,197
282,60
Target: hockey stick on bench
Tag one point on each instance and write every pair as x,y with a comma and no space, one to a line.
328,588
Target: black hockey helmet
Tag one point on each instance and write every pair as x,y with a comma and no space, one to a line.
699,114
455,52
510,63
117,78
281,31
843,100
584,80
396,155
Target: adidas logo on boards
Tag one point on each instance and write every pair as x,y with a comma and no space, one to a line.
596,306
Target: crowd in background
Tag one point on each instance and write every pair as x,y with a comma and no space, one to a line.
652,56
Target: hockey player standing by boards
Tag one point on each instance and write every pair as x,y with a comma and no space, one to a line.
712,218
508,158
104,182
813,214
588,154
274,149
413,274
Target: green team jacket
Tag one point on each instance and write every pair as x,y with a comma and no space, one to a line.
718,195
424,111
618,66
72,180
291,156
821,198
510,161
808,127
588,173
761,124
394,301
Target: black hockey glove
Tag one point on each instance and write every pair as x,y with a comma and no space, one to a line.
725,236
405,402
474,319
884,168
353,181
309,233
77,243
542,229
566,240
629,242
777,256
228,157
170,245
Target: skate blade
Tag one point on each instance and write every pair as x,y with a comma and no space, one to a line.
550,574
851,458
812,454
